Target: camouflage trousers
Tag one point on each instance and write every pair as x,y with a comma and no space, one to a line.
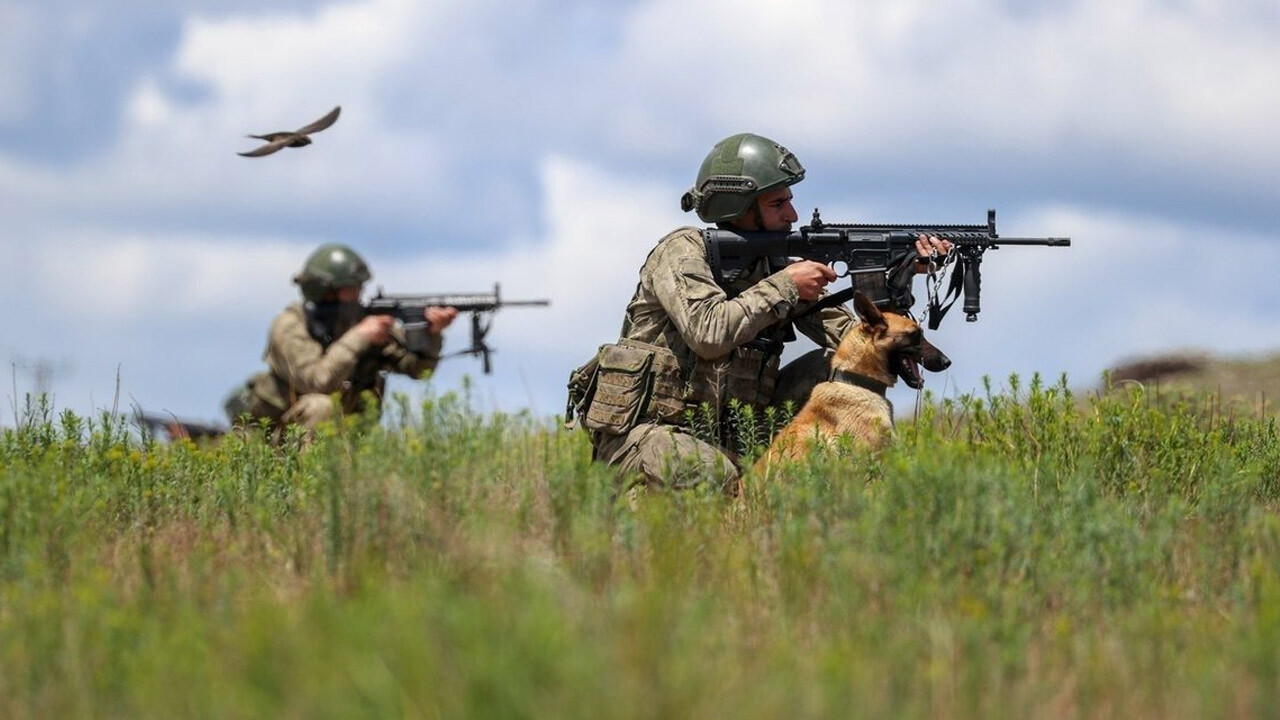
672,456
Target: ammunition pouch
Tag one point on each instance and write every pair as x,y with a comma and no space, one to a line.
625,384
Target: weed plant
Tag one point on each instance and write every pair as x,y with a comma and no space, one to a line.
1011,555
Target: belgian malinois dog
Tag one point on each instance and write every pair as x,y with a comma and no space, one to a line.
883,347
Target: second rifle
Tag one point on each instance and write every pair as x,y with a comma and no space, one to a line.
408,309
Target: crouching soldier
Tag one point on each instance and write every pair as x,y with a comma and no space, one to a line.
327,345
693,339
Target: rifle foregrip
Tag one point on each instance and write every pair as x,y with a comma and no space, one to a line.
972,290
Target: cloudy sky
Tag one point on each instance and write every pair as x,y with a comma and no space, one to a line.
544,145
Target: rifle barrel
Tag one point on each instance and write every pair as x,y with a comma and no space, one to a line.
1049,241
459,301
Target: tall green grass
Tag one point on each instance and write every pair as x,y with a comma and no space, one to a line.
1012,555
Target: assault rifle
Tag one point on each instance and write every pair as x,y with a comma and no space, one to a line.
878,259
408,309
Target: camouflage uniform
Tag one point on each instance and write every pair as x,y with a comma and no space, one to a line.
304,371
726,342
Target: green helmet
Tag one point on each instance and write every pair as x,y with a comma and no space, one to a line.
330,267
739,169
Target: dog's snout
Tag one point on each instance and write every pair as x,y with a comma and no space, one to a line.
933,359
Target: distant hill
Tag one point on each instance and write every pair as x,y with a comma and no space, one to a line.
1244,383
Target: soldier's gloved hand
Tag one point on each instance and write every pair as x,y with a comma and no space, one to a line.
810,277
439,318
375,328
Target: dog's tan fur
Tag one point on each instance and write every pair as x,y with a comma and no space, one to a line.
836,409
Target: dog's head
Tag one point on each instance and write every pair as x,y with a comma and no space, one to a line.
895,340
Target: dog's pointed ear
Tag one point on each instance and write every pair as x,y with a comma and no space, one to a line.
868,311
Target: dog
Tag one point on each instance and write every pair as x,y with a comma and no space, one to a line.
870,359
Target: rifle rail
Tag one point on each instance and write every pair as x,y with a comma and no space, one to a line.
408,308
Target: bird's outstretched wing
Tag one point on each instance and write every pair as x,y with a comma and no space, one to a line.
322,123
264,149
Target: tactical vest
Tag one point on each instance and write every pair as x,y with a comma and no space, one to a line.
662,380
266,395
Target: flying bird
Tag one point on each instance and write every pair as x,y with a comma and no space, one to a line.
295,138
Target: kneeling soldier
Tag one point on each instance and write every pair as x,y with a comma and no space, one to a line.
692,341
327,344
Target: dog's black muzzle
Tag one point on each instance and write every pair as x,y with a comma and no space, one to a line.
932,358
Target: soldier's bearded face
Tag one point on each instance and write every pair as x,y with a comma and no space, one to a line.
774,210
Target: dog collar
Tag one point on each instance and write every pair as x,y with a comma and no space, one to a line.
862,381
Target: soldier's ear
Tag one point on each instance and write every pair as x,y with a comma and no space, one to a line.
868,312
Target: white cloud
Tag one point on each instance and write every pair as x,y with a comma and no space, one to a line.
273,65
108,278
916,78
149,107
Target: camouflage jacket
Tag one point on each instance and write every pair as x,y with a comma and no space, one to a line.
679,306
298,363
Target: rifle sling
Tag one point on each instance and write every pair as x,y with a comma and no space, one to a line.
839,297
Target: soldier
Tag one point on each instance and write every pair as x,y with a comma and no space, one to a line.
326,344
688,342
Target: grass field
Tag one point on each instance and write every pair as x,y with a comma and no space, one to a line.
1013,555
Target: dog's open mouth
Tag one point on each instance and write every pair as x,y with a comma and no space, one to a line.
908,369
